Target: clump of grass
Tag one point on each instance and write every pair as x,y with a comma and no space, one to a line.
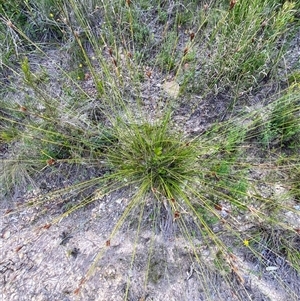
152,157
242,43
284,121
22,23
278,125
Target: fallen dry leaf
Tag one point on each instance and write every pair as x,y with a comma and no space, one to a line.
6,234
172,88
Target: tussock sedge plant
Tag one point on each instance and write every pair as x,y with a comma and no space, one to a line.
182,118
